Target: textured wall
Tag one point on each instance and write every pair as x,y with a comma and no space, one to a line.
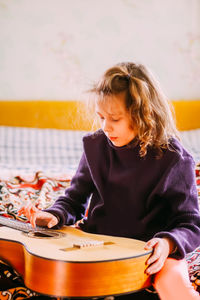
54,49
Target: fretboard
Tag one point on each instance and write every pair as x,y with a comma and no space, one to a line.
19,225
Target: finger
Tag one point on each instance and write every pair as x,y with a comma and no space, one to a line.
155,267
29,210
155,256
150,244
24,210
28,213
33,219
33,215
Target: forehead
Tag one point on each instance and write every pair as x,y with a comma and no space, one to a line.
114,104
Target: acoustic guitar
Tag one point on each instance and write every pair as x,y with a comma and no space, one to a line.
73,263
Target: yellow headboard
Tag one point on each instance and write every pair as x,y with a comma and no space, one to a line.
72,114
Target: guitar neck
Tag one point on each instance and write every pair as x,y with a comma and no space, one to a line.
19,225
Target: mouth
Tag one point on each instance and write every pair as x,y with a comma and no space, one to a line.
112,138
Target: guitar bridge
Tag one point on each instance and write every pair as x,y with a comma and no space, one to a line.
88,243
79,245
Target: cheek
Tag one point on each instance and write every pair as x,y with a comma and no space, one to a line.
131,123
131,126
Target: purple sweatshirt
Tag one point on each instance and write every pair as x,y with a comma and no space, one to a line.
133,197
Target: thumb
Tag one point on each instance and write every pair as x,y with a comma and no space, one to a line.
52,222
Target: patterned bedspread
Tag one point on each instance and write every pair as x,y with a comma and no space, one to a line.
14,193
43,190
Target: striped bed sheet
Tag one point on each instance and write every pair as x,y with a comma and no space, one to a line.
191,141
32,150
57,150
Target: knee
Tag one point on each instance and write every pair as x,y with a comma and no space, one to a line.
171,274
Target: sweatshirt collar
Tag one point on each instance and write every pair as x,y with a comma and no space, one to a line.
132,144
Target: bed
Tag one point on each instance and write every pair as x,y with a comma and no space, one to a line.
40,147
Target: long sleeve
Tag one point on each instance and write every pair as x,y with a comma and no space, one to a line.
134,197
180,193
71,207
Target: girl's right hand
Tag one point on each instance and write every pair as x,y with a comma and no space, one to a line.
37,216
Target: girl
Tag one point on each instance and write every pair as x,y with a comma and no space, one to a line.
138,177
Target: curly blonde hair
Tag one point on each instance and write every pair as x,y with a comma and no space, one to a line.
149,108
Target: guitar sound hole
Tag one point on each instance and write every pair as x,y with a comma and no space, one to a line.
40,234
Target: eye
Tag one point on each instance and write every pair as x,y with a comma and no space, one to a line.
115,120
100,116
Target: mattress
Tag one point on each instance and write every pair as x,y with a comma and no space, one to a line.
55,150
191,141
30,150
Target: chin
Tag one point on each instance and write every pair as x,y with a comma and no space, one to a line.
118,144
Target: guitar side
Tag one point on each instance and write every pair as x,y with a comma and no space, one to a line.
54,267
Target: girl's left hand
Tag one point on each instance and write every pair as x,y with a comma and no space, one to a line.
162,247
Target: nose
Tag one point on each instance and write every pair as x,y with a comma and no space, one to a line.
106,126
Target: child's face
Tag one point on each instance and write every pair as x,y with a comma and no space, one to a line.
115,120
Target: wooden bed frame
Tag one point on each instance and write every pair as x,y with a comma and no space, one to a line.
72,115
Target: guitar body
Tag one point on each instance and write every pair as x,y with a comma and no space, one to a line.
74,263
